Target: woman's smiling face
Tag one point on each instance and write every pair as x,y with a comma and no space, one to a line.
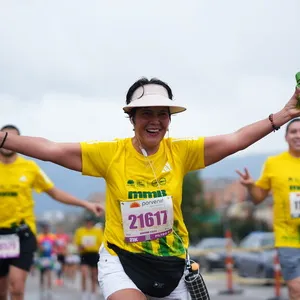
151,125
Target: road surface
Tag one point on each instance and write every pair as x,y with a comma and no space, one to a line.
216,283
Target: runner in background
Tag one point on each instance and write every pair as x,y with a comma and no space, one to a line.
60,247
19,177
46,259
88,239
281,176
72,261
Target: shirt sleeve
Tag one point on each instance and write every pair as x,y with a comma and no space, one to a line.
191,152
42,182
264,181
97,156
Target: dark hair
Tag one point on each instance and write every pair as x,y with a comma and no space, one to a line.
88,218
44,225
141,82
290,123
10,126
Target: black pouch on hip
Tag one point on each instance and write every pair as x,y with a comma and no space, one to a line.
155,276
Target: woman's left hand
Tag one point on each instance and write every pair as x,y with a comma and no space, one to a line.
292,107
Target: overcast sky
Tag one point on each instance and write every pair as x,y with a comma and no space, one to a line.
65,66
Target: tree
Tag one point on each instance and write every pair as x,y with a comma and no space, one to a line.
190,190
199,214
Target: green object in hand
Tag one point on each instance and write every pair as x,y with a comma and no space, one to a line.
298,86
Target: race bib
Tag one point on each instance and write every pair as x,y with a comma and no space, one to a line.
149,219
88,241
9,246
46,262
295,205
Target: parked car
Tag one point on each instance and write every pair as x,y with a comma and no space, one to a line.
210,253
256,256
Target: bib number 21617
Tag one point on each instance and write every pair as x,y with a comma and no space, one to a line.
147,219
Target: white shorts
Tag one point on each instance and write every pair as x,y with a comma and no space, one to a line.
112,278
72,259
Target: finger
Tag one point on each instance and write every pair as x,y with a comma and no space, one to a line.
239,173
247,173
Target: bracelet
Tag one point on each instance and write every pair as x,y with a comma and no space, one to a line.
3,141
272,122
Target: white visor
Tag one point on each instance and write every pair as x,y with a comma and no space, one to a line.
152,95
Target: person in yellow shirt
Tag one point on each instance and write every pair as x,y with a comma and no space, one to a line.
144,251
18,178
281,175
88,239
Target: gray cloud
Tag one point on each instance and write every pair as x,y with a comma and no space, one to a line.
230,61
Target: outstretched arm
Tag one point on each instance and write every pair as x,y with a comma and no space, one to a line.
65,154
67,198
219,147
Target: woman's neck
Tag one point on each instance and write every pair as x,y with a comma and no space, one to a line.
138,147
294,153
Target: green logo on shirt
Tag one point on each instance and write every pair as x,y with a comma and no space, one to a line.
294,188
8,194
146,195
130,182
139,183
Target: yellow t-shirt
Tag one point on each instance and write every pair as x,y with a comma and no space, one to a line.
90,239
130,177
17,180
281,175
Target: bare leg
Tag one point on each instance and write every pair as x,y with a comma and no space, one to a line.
94,280
3,287
84,275
294,288
127,294
17,280
49,279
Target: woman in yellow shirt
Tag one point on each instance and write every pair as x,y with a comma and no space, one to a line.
145,240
